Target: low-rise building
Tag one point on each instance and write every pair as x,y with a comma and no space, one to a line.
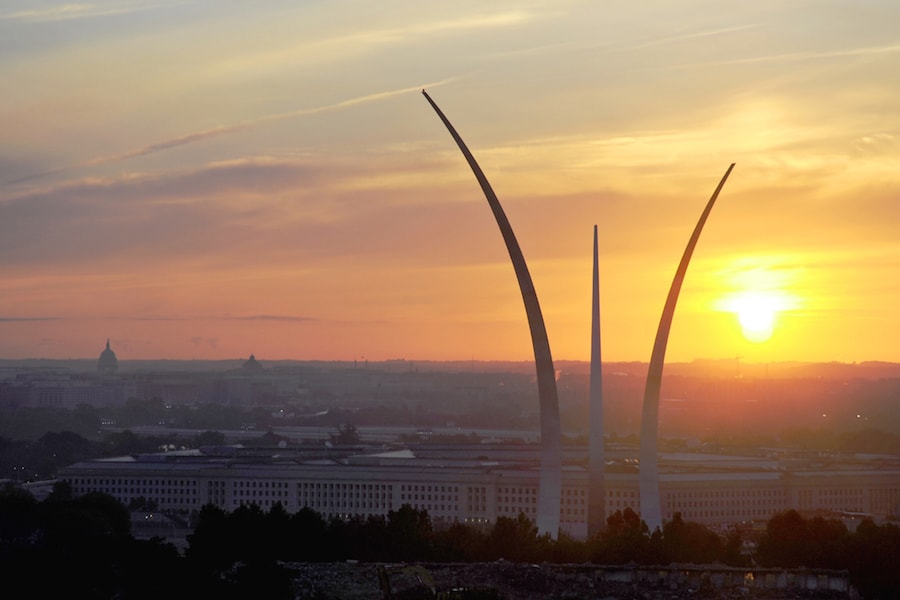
343,483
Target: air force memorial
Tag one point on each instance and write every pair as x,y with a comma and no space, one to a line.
560,490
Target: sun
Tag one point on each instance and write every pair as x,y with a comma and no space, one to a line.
756,312
757,292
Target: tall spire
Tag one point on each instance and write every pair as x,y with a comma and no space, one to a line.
651,510
548,508
596,513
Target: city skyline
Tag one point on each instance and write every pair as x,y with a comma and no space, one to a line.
263,179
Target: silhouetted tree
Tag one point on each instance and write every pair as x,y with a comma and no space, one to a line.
872,560
308,537
734,544
153,569
210,438
19,515
829,539
625,539
409,533
461,543
568,550
86,422
690,542
209,546
786,542
90,517
514,539
142,412
346,434
61,492
127,442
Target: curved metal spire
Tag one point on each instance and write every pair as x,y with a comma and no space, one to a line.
651,511
596,513
548,508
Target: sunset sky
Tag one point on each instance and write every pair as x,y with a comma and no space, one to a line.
214,179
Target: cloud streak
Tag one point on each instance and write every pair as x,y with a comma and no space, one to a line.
805,56
194,318
200,136
68,12
26,319
675,39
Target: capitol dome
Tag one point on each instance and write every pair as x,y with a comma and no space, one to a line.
252,366
107,363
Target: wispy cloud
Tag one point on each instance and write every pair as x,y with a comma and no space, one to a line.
275,318
199,136
367,41
674,39
282,318
287,318
212,342
26,319
67,12
806,56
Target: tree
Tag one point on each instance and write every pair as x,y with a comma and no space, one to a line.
872,560
786,542
308,531
209,546
409,533
210,438
514,539
346,435
19,514
142,412
61,492
734,543
276,529
461,543
54,449
126,442
625,539
829,539
690,542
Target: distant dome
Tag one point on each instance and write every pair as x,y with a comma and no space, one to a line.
252,365
107,362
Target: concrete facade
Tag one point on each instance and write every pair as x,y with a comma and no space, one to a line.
475,492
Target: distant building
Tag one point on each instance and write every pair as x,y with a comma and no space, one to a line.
41,388
478,487
252,366
107,363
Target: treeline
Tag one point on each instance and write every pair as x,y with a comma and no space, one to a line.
790,541
23,460
222,538
67,547
20,423
83,547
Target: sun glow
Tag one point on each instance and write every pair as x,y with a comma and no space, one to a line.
756,312
759,296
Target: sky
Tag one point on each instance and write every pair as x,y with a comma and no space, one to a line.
207,180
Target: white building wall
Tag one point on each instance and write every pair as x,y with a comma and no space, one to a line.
477,496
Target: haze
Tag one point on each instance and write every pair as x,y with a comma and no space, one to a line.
206,180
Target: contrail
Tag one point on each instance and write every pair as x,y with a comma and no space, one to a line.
199,136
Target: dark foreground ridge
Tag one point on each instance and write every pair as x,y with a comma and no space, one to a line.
503,580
